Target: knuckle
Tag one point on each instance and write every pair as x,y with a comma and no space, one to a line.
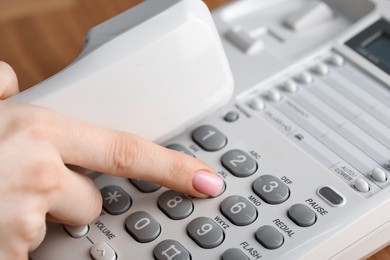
45,177
29,226
124,154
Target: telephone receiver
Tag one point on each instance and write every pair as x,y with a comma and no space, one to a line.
153,70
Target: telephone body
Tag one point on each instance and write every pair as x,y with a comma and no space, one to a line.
305,150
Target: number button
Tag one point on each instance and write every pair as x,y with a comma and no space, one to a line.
115,200
239,163
238,210
145,186
142,227
175,205
271,189
205,232
171,250
209,138
180,148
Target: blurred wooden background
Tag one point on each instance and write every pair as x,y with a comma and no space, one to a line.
40,37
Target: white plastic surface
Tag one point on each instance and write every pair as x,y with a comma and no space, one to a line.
153,80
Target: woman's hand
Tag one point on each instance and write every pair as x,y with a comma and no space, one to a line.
35,145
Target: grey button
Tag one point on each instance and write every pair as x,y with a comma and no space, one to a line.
239,163
77,232
331,196
234,254
175,205
271,189
205,232
209,138
269,237
302,215
180,148
231,116
142,227
171,250
115,200
144,186
238,210
102,251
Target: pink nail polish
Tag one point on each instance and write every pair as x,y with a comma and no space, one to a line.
207,183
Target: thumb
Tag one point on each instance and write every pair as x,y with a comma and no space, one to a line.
8,81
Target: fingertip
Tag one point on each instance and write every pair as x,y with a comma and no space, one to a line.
208,183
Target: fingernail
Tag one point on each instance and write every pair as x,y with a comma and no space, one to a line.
207,183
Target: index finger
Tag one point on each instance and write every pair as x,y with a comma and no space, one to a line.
127,155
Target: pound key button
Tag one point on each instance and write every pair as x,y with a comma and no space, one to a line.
171,250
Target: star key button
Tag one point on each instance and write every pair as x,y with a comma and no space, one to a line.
115,200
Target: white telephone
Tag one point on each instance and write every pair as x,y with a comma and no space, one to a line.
303,145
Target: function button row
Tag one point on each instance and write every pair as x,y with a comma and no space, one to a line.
142,227
205,232
302,215
238,210
145,186
239,163
115,200
209,138
171,250
175,205
271,189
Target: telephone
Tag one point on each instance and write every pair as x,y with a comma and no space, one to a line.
306,130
